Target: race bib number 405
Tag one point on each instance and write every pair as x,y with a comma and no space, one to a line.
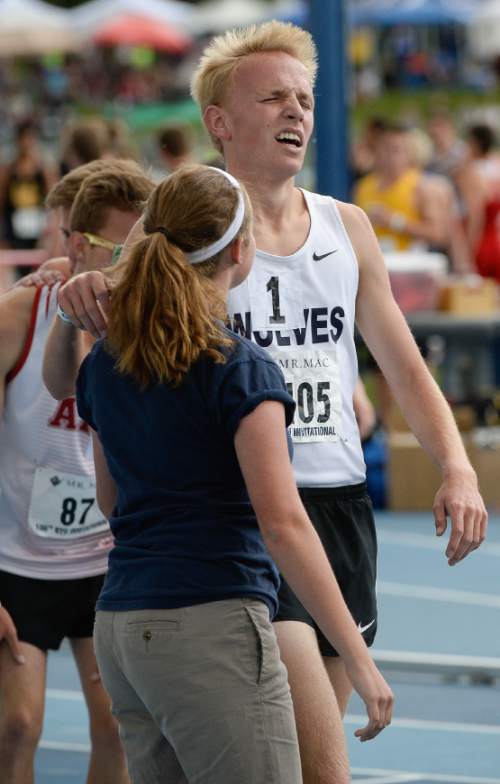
312,379
63,506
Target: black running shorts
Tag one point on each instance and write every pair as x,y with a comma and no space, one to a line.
343,518
47,611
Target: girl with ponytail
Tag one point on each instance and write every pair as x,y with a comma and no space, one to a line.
166,309
193,471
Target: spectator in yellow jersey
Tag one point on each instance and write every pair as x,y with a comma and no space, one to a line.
399,198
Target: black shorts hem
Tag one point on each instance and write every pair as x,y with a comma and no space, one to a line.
308,622
45,612
44,644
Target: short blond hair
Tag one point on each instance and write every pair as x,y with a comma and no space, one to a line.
225,52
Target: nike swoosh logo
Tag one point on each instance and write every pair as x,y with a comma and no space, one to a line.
362,629
324,255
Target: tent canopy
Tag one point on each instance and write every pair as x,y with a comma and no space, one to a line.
484,32
488,10
411,12
24,13
32,27
380,13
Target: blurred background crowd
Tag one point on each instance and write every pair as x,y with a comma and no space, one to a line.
110,78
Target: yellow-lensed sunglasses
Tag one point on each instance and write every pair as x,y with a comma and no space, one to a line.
101,242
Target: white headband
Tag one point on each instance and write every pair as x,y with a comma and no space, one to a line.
203,254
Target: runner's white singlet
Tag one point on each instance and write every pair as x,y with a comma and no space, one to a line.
50,527
302,309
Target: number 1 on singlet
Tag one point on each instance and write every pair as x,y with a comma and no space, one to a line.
275,300
273,285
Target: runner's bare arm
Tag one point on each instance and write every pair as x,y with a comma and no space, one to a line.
364,410
293,543
473,194
432,226
15,315
388,337
65,350
84,299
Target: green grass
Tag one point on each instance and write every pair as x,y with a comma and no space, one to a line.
417,105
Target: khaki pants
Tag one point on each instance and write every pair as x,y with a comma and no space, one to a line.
200,694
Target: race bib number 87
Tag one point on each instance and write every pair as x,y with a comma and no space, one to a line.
63,506
312,379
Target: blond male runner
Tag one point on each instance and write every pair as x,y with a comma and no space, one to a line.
318,266
54,542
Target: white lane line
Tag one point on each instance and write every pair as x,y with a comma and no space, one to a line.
438,594
438,663
60,745
401,779
439,777
429,541
419,724
65,694
437,726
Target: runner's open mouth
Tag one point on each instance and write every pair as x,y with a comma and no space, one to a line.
288,137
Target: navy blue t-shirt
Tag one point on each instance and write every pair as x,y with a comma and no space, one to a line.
185,531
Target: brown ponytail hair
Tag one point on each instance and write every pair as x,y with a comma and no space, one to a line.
164,311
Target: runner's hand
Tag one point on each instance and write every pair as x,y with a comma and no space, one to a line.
8,632
42,277
376,695
85,299
459,499
48,274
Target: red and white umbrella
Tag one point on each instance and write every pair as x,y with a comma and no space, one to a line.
134,30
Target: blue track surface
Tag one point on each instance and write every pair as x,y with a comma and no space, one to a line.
443,732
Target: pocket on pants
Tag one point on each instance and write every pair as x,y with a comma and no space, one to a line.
151,635
268,658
